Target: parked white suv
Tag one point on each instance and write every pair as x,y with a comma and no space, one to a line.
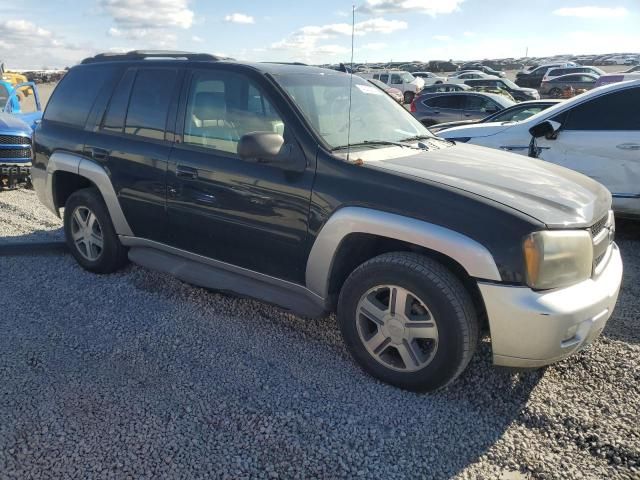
429,78
596,133
403,81
461,78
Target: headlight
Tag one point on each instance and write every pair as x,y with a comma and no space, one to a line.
558,258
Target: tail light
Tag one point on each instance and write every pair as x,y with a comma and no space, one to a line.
413,108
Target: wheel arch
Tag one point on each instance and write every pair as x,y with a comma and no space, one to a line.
354,235
67,173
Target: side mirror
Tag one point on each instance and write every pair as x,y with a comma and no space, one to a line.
269,148
260,146
546,129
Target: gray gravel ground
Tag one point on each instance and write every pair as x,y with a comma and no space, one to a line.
137,374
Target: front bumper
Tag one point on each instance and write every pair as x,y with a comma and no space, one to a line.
530,329
14,174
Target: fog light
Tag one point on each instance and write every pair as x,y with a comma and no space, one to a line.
571,332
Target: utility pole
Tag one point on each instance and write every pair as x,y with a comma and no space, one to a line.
526,53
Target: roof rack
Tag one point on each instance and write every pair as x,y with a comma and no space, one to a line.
151,54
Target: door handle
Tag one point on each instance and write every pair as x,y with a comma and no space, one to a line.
629,146
186,172
97,153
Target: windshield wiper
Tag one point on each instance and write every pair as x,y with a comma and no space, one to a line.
372,143
416,138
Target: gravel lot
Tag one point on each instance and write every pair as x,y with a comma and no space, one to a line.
137,374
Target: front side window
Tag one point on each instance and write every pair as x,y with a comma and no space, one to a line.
479,104
224,106
614,111
396,79
324,100
149,103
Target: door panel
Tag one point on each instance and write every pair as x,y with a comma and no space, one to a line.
252,215
601,138
132,146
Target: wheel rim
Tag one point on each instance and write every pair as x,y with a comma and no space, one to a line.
397,328
86,232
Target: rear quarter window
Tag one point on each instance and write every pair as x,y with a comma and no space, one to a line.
74,96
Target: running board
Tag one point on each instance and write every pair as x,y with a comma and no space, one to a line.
206,275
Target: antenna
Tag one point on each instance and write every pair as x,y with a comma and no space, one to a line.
353,33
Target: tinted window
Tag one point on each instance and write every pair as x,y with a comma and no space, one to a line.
384,77
117,110
395,79
615,111
149,104
75,94
222,107
455,102
477,103
517,114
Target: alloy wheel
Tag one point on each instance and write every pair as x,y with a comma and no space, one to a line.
397,328
86,232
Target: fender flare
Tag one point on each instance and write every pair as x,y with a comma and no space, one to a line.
68,162
474,257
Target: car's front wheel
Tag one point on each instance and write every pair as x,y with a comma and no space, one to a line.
89,233
408,321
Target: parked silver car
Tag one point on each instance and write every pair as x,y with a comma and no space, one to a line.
435,108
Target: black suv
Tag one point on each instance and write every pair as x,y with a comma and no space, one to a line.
262,180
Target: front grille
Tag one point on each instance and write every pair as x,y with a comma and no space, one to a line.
597,227
15,153
14,140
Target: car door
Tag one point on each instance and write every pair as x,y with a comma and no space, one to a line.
132,142
252,215
477,107
601,138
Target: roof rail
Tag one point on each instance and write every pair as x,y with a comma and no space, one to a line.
150,54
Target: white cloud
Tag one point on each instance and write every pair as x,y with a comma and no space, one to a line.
374,46
442,38
28,45
305,41
592,12
429,7
239,18
197,39
149,20
469,34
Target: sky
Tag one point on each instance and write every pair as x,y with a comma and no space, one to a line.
59,33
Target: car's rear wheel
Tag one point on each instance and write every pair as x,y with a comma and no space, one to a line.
89,233
408,97
555,93
408,321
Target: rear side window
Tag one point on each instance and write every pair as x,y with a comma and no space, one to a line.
117,111
615,111
74,96
384,77
149,103
455,102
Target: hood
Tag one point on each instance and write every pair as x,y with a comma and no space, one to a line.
475,130
13,124
551,194
442,126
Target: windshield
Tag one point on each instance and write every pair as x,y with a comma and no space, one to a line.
407,77
324,100
510,84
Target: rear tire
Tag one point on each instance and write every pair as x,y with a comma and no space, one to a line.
555,93
408,97
419,338
90,235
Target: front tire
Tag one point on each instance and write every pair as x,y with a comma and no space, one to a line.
90,235
408,321
555,93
